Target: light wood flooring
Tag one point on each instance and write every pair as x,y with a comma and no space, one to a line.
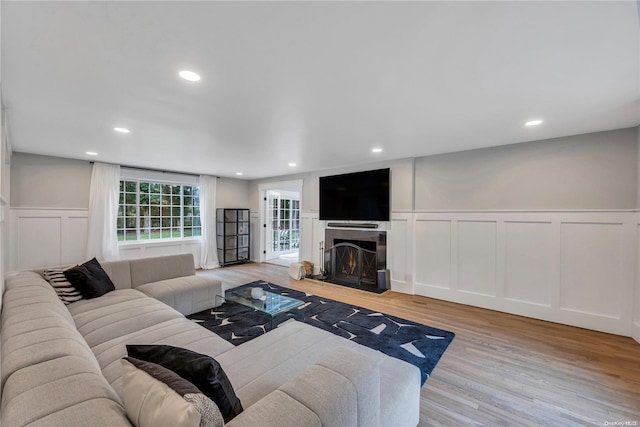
501,369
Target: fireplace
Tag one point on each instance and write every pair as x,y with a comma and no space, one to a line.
354,257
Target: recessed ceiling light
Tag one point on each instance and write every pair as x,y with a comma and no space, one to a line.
533,123
121,130
91,153
292,164
239,173
376,150
189,75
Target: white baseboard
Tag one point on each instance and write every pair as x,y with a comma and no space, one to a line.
635,331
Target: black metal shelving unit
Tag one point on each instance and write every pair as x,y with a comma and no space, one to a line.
232,232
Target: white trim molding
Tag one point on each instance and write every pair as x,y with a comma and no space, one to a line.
400,252
635,327
295,186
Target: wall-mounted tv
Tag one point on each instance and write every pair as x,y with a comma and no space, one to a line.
360,196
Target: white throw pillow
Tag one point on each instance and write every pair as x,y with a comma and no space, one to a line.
158,397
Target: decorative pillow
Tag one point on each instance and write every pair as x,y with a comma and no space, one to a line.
157,397
201,370
90,279
65,290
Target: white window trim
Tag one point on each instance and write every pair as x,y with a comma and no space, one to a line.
159,177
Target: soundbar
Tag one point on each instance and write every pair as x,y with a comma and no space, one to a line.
352,225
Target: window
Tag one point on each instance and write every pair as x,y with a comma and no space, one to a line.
152,211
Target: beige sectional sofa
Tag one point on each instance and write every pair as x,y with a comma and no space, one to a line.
170,279
61,364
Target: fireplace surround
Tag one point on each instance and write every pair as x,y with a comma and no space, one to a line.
354,257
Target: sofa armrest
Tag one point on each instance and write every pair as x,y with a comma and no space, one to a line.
341,390
188,294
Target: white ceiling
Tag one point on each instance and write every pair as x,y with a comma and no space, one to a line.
315,83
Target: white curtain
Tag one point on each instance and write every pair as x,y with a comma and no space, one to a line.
209,251
102,239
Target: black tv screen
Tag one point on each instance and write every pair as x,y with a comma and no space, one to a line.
360,196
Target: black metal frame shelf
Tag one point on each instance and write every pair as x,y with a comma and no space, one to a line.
233,236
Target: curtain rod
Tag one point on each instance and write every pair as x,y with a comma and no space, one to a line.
154,170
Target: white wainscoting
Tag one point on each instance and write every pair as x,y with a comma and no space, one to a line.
576,268
51,237
311,234
46,237
255,227
399,252
635,332
170,247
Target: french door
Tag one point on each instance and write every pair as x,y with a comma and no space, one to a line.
283,223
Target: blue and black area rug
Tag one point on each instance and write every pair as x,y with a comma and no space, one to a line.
412,342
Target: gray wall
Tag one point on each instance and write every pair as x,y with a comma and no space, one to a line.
638,132
232,193
49,182
636,316
401,184
592,171
5,157
56,182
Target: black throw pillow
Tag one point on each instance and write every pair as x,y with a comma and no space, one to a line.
199,369
90,279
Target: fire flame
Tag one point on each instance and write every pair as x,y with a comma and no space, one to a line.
352,263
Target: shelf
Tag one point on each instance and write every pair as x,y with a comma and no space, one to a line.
232,234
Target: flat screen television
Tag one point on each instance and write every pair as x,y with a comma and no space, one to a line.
359,196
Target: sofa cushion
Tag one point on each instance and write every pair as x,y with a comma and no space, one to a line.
341,390
363,373
258,367
127,316
118,313
119,272
203,371
148,270
36,326
328,394
90,279
155,397
187,294
37,391
49,374
290,413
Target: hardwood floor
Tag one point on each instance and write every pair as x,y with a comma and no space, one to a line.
501,369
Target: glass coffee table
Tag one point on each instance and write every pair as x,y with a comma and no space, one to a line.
270,303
